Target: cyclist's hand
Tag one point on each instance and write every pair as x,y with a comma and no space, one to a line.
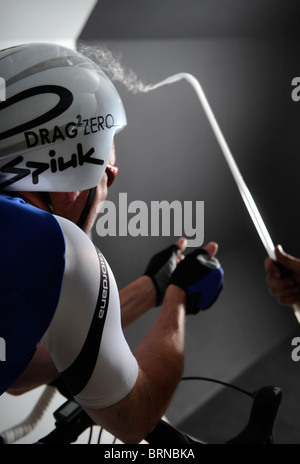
201,276
162,265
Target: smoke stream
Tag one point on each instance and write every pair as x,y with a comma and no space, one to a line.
111,65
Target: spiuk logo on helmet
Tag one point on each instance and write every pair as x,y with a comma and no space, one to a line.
60,164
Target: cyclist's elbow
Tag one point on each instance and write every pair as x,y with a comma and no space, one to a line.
138,433
134,437
136,415
129,428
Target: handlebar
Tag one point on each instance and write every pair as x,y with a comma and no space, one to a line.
259,429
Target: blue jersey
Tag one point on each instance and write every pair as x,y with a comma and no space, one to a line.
32,267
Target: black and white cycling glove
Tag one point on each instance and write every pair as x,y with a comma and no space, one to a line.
202,279
160,269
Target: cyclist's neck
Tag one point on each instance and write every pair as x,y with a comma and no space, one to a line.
36,199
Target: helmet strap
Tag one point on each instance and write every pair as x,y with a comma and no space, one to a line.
87,207
47,200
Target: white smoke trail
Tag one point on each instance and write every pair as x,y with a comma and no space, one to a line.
112,66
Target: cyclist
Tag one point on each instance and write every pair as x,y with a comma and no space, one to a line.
59,303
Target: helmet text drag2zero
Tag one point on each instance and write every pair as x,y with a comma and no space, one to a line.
58,121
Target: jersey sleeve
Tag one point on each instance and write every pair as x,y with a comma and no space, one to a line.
85,338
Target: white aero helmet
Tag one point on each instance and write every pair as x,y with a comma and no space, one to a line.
58,120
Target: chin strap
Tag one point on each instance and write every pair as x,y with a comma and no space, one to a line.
87,207
47,200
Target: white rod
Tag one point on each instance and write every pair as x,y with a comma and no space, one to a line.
244,191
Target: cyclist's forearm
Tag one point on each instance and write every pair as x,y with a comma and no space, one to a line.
160,355
136,299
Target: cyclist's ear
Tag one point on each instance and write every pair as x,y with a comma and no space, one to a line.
64,197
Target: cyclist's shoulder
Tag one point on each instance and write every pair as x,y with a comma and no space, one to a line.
33,237
28,230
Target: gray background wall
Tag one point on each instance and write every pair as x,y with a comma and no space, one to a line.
168,151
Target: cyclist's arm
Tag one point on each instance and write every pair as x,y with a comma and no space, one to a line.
160,358
120,383
136,299
147,292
